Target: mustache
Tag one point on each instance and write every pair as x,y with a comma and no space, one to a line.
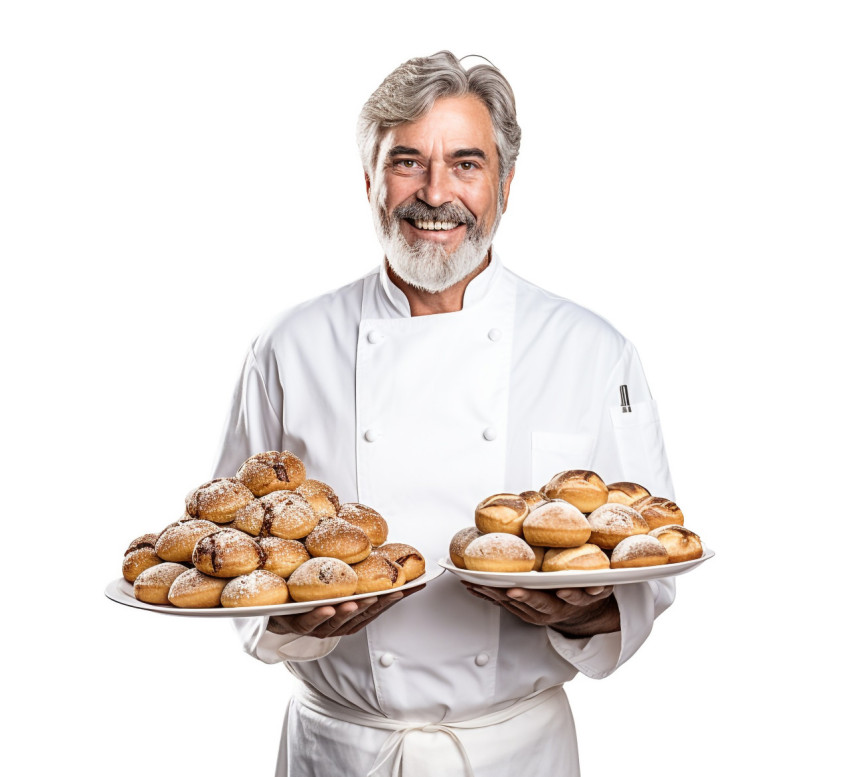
446,212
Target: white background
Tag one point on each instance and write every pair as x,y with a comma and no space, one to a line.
176,173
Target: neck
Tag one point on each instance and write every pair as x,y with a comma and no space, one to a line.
427,303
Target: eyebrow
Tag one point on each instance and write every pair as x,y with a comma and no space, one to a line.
460,153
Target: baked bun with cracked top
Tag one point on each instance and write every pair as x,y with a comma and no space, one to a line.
218,500
195,589
366,519
533,498
152,585
177,542
680,543
459,542
336,538
579,487
251,518
626,493
227,553
584,557
256,589
501,513
499,552
658,511
612,523
376,573
640,550
321,497
322,578
282,557
271,471
139,556
406,556
288,515
556,524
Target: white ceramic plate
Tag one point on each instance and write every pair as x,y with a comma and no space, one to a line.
574,579
122,592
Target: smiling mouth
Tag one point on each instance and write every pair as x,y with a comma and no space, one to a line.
433,225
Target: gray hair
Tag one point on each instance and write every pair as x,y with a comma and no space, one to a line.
411,90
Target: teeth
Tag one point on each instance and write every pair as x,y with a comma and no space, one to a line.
432,225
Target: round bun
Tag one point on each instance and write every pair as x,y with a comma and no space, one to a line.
376,573
288,515
366,519
459,542
139,556
625,493
177,542
584,557
611,523
556,524
282,557
251,518
227,553
499,552
218,500
640,550
658,511
256,589
336,538
501,513
322,578
272,471
681,544
195,589
579,487
533,498
321,497
406,556
152,585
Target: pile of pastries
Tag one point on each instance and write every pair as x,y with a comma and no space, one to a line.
575,522
269,535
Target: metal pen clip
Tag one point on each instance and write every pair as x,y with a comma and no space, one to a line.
624,399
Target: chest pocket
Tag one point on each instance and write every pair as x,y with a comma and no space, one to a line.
553,453
641,447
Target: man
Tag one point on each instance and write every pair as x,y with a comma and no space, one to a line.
439,379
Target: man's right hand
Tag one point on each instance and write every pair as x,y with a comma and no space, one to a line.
339,620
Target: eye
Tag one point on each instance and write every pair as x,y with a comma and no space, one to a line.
406,164
467,166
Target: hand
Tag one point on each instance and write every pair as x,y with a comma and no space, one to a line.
337,620
575,612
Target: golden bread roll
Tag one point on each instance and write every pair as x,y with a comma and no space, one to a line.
611,523
321,497
177,542
256,589
338,539
139,556
579,487
406,556
640,550
227,553
658,511
251,519
501,513
218,500
584,557
272,471
152,585
681,544
626,493
288,515
533,498
322,578
282,557
376,573
459,542
195,589
499,552
366,519
556,524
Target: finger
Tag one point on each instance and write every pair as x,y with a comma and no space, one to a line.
365,617
309,621
540,601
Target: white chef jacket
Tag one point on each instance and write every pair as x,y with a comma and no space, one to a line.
421,418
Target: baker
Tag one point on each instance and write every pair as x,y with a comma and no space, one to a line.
434,381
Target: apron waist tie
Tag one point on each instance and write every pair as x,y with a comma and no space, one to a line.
388,762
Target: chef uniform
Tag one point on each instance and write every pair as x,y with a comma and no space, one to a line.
421,418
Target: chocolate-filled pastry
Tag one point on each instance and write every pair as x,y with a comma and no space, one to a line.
195,589
321,497
272,471
366,519
256,589
218,500
406,556
376,573
322,578
139,556
177,542
152,585
338,539
227,553
283,557
288,515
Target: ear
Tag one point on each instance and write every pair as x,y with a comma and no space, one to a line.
506,189
368,186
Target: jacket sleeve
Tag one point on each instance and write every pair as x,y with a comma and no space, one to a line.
630,447
254,424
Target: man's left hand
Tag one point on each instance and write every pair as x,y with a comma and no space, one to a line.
575,612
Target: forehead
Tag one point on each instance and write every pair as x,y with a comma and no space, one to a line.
453,123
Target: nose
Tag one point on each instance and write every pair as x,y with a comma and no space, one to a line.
437,187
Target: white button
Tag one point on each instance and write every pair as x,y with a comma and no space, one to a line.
495,334
386,659
371,435
490,433
481,659
374,336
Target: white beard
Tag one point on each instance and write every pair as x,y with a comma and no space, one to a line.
426,265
